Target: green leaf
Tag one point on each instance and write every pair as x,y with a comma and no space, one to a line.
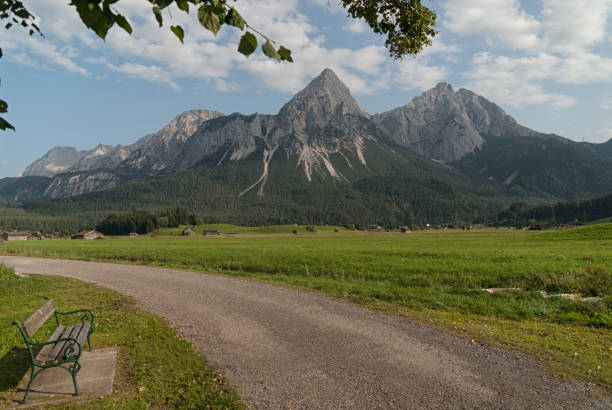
233,18
5,124
178,31
285,54
183,5
123,23
248,44
8,25
94,17
3,106
0,53
158,15
163,3
211,18
269,50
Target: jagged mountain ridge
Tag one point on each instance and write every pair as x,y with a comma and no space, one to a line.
326,131
61,160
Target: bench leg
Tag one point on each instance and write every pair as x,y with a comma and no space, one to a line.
33,375
74,370
88,342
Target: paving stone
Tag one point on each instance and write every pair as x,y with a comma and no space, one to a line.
54,385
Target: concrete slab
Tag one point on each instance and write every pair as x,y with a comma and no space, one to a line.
54,386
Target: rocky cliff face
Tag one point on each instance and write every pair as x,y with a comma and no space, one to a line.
66,185
159,151
318,122
101,157
445,125
56,161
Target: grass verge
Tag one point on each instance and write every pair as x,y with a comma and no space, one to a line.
155,368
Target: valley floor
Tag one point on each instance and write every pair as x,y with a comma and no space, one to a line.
434,277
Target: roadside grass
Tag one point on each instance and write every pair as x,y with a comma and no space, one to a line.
435,277
155,368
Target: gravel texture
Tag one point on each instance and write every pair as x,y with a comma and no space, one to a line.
285,348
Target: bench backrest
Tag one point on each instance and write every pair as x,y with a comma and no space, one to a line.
38,318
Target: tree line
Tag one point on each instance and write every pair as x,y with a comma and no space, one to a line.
142,222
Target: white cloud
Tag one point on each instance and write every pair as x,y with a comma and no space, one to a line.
367,61
515,81
3,163
151,73
605,133
606,104
356,27
414,74
571,26
502,21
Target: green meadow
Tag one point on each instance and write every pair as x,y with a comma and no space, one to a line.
435,277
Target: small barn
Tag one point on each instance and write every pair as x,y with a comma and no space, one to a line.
188,231
211,232
16,236
87,235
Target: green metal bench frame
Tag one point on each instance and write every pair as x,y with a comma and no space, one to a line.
68,355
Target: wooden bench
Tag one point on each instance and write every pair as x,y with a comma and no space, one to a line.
64,347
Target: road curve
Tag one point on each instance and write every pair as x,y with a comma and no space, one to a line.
285,348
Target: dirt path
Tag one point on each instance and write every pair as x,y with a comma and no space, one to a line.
290,349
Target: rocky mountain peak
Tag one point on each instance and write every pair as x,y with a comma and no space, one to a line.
325,96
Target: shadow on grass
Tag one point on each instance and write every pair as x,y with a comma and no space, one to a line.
13,365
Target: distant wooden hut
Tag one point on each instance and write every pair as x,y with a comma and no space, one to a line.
188,231
16,236
87,235
211,232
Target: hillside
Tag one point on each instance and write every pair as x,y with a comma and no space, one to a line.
398,187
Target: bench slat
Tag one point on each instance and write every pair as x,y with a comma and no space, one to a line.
59,346
41,357
36,319
83,334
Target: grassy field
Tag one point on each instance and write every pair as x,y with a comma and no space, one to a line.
227,229
148,374
431,276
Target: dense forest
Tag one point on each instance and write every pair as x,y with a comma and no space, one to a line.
143,222
578,211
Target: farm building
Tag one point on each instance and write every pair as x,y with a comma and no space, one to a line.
188,232
212,232
16,236
87,235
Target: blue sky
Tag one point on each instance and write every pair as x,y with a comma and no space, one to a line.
546,62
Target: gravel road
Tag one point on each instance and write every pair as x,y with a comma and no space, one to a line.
286,349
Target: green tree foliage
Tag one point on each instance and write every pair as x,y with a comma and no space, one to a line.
14,13
408,24
583,210
142,222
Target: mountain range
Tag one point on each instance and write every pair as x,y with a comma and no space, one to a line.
446,152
